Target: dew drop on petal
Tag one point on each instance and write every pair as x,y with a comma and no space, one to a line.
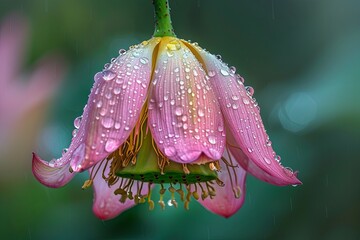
235,97
74,132
212,139
235,106
77,122
211,73
224,72
107,122
201,113
111,145
267,161
249,90
122,51
117,90
179,111
144,60
108,75
277,158
246,100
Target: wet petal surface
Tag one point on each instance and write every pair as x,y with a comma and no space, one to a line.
244,123
225,203
184,116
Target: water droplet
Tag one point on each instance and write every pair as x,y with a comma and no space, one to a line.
144,60
212,139
246,100
195,73
179,111
232,69
52,163
111,145
224,72
268,143
249,90
250,150
122,51
201,113
64,151
77,122
117,91
218,57
170,151
235,97
99,104
211,73
288,171
176,69
267,161
107,122
277,158
235,106
74,132
108,75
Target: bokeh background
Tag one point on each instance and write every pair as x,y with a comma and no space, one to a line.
301,57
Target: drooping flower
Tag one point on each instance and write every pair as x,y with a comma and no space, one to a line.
167,112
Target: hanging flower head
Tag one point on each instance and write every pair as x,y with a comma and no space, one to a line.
167,112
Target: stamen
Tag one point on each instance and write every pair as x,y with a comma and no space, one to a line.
185,169
161,200
150,202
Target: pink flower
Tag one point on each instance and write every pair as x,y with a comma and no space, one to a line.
17,96
167,112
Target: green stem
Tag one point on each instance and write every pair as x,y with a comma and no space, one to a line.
163,26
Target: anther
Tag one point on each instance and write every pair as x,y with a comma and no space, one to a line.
87,184
237,191
185,169
150,202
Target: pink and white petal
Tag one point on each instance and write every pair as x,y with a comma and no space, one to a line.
115,103
112,110
106,204
184,116
243,120
50,176
225,203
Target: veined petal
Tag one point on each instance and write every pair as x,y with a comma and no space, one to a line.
243,120
225,203
113,108
49,175
184,116
106,204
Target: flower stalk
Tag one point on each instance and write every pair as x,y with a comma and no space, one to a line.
163,25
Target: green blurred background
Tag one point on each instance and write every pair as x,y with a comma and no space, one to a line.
301,57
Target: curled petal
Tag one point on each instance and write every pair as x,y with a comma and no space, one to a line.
243,120
106,204
49,175
184,116
113,108
230,197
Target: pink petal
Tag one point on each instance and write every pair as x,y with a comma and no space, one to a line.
245,125
225,203
106,204
184,116
49,175
113,108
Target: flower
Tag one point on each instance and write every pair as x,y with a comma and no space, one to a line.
167,112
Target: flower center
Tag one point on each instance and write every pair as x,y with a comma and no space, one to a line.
138,161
